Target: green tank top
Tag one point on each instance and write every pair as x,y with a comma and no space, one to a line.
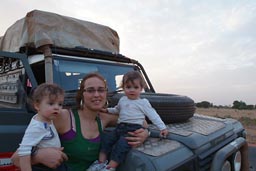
80,151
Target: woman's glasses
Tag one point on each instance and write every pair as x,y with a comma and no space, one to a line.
91,90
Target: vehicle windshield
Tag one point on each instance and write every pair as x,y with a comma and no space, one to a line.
69,73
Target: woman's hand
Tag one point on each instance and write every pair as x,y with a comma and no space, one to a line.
15,159
50,157
137,137
104,110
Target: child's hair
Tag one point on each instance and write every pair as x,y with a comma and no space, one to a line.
53,91
131,76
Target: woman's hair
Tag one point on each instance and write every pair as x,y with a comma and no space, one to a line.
131,76
79,95
53,91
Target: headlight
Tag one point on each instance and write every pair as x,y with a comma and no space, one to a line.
226,166
237,161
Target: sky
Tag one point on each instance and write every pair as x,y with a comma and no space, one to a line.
203,49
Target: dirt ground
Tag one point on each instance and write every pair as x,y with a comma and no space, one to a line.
246,117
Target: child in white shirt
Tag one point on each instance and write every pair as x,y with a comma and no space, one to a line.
47,100
132,111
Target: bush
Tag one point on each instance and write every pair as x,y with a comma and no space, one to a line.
204,104
242,105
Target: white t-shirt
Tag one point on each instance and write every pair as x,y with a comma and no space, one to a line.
38,134
134,111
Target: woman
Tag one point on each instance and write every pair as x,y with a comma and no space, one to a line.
80,129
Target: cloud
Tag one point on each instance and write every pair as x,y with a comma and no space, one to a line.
204,49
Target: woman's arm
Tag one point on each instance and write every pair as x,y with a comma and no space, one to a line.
108,120
50,157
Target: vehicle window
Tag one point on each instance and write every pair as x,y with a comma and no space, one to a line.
39,72
70,73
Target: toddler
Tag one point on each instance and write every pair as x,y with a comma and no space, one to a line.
132,111
47,101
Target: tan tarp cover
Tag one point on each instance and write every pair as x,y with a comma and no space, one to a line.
40,28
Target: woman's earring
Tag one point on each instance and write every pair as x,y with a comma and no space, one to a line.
106,104
81,104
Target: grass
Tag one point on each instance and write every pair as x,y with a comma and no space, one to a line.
248,121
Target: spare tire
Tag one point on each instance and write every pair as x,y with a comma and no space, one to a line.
171,108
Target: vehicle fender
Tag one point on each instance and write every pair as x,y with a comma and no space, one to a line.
225,152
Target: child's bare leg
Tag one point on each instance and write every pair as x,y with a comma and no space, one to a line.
113,164
102,157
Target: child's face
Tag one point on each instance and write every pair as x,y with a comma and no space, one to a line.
48,109
133,90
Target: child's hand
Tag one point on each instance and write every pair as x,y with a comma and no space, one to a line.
164,133
104,110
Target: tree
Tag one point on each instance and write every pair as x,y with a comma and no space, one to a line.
236,104
239,105
250,107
